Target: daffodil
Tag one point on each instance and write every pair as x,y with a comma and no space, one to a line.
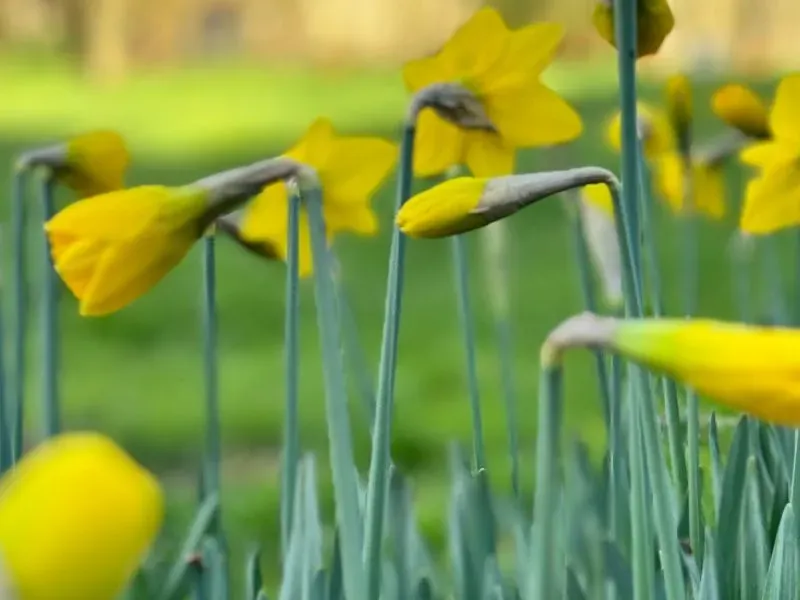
773,197
77,516
503,104
747,368
741,108
662,151
89,164
112,248
654,22
466,203
350,170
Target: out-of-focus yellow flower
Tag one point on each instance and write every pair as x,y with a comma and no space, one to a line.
741,108
501,69
350,170
772,199
654,21
598,195
112,248
77,516
89,164
679,108
655,131
747,368
708,185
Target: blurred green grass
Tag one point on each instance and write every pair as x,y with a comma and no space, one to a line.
137,374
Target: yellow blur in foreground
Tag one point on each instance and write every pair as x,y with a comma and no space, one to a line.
751,369
77,516
502,69
654,22
112,248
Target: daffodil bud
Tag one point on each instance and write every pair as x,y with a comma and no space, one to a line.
679,105
465,203
743,367
77,516
89,164
742,109
654,22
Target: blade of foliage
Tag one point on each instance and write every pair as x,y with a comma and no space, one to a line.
783,582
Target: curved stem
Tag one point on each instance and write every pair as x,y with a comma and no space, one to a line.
51,411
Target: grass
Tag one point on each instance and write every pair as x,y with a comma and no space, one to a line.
137,374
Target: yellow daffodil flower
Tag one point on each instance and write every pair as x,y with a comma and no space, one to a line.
89,164
350,170
743,367
655,131
77,516
708,185
741,108
772,199
500,69
654,22
112,248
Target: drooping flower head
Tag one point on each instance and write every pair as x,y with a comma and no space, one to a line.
495,74
77,516
89,164
773,197
350,169
747,368
741,108
112,248
654,22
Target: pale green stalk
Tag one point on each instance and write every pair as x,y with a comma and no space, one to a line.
19,318
50,328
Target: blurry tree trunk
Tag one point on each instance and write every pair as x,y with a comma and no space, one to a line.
106,58
74,19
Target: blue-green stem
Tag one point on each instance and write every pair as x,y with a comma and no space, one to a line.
381,436
590,304
771,261
345,485
50,329
547,485
625,21
19,315
5,421
668,386
291,433
465,318
506,356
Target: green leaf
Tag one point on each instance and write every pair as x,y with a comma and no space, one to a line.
753,549
716,463
335,589
783,582
177,578
709,583
253,579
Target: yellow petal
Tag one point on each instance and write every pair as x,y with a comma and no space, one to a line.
708,183
533,116
767,155
443,210
784,119
76,518
772,201
747,368
356,168
656,131
315,146
97,163
438,145
75,262
129,269
598,195
488,155
529,52
423,72
709,190
123,214
477,45
742,109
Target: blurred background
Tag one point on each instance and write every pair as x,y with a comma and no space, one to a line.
200,85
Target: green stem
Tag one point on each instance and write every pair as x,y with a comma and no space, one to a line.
6,429
345,484
18,348
381,437
465,319
547,487
291,442
505,345
52,414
